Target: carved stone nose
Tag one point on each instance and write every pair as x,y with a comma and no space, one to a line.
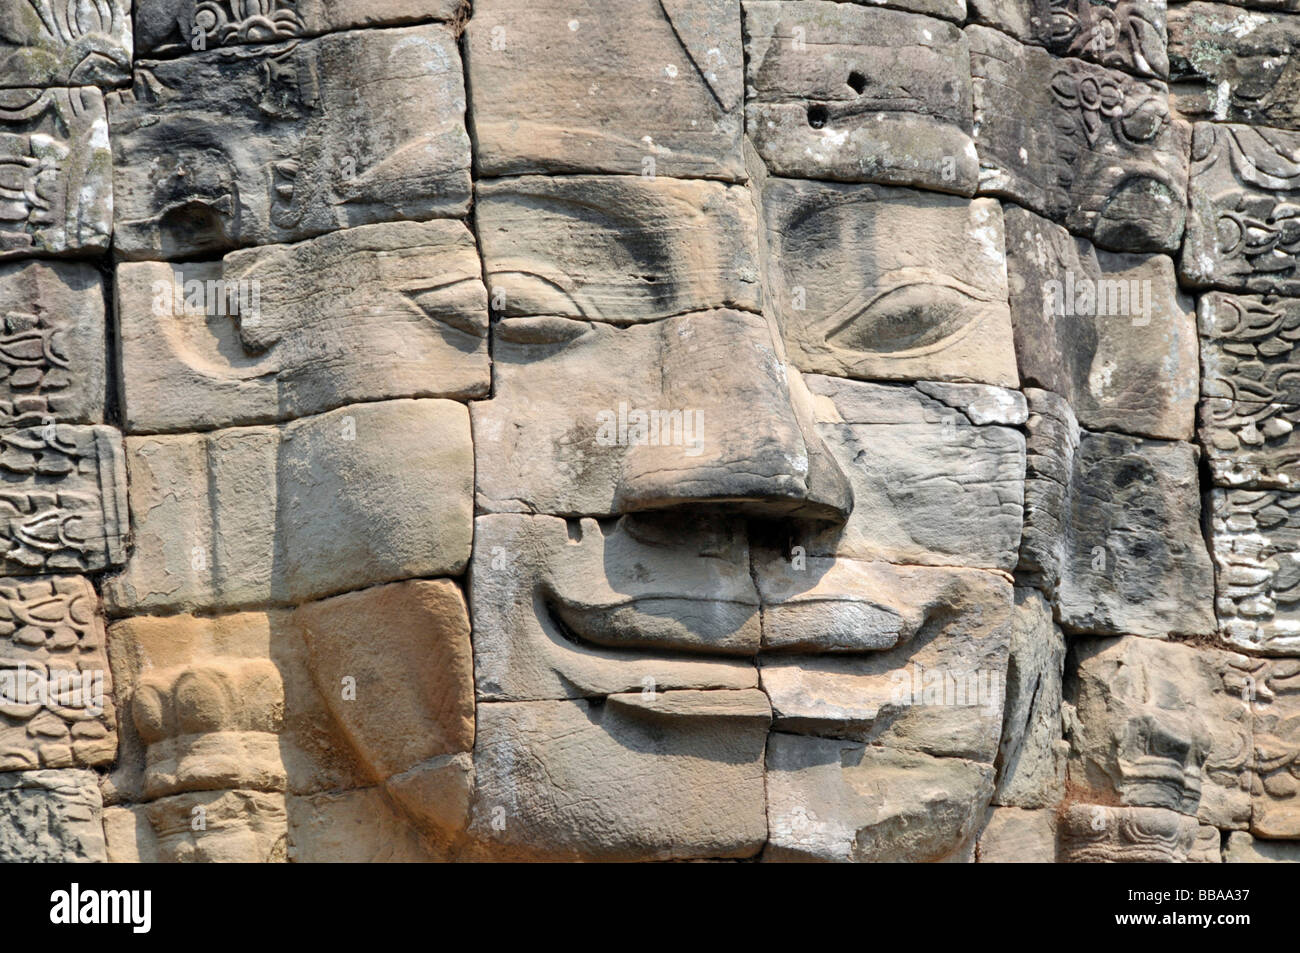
747,437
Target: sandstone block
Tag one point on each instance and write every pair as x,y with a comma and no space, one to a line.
1127,35
369,313
633,87
242,827
257,145
1090,147
1109,332
351,827
54,43
843,801
930,486
1275,796
52,363
617,248
1112,528
59,186
367,494
394,666
56,691
1031,752
939,691
175,26
859,95
1241,234
1244,849
1231,64
1251,405
220,703
1016,836
62,499
50,817
1098,834
1255,537
676,777
853,301
1160,725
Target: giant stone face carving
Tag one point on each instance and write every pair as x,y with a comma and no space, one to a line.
648,430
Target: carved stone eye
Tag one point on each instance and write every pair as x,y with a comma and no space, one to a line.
908,317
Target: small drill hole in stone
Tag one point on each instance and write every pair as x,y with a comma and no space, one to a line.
857,82
817,116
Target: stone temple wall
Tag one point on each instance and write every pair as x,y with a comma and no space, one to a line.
649,429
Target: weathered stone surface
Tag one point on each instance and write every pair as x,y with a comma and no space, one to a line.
1244,849
838,605
351,827
639,87
50,817
242,827
1091,147
1247,344
676,776
1250,445
1016,836
731,555
1098,834
590,419
854,301
58,196
843,801
394,666
930,486
1207,848
589,610
52,343
1109,332
1255,537
369,313
178,26
56,692
435,797
246,517
56,43
262,144
1248,418
948,9
1247,347
617,248
1275,797
1031,753
1231,769
1242,231
62,499
1235,65
940,691
1149,721
882,96
222,702
1123,34
1112,528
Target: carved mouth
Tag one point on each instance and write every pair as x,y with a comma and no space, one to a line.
675,624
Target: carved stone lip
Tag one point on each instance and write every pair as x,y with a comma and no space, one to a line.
690,624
